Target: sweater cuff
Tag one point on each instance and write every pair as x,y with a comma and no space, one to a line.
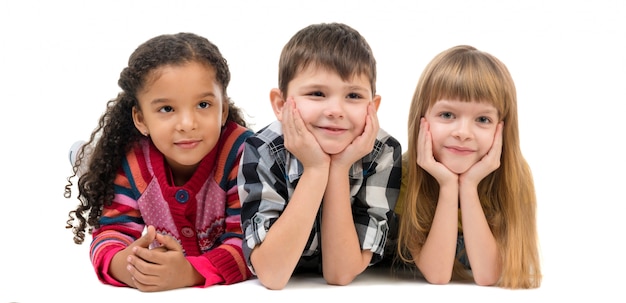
206,269
102,270
229,262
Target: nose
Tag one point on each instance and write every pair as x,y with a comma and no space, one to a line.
186,121
462,129
334,108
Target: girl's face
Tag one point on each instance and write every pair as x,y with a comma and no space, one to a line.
182,110
462,132
332,109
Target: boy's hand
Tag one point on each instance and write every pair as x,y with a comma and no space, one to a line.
299,140
162,268
363,144
489,162
426,159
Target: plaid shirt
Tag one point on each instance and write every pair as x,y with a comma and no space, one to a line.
269,174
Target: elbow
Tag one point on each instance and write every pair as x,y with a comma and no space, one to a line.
437,275
486,280
339,279
334,275
272,283
272,280
267,273
438,281
438,278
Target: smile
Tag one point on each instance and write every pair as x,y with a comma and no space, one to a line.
459,150
187,144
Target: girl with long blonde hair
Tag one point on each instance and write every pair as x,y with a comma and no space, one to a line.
467,205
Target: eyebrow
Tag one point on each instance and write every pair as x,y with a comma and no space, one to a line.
449,107
317,86
358,88
157,101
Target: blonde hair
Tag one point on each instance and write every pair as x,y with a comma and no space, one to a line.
507,195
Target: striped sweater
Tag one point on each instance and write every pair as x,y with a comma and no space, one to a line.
203,214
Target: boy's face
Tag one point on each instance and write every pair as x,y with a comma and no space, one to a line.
332,109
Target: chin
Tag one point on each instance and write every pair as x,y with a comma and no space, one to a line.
458,169
333,150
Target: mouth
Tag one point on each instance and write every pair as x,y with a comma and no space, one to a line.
187,144
332,129
460,150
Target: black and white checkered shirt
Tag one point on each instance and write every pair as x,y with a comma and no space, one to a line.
269,174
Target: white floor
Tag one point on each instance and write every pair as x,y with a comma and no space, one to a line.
60,61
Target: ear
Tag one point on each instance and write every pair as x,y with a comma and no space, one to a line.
376,101
225,110
139,121
278,102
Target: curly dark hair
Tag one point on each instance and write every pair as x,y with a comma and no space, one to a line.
116,134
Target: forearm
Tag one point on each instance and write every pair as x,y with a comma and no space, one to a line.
342,256
480,243
106,246
118,268
275,259
436,258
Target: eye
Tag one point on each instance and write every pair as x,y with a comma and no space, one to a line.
166,109
316,94
354,96
484,120
446,115
204,104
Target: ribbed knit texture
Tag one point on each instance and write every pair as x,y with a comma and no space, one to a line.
203,215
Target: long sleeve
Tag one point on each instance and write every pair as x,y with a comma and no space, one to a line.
225,263
379,174
203,215
267,176
120,224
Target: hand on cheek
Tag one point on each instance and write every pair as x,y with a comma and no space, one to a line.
298,139
489,162
426,158
364,143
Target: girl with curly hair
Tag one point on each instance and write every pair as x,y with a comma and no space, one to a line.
158,178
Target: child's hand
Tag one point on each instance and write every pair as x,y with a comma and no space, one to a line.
488,163
363,144
162,268
426,160
299,140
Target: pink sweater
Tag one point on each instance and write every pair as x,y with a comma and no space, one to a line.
203,215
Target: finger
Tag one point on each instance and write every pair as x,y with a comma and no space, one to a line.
141,281
425,149
498,138
287,121
419,148
496,147
374,117
371,124
298,123
138,265
147,239
168,242
149,256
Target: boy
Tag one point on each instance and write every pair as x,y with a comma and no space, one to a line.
318,186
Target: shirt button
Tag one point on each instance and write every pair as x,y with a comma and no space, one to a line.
182,196
258,220
187,232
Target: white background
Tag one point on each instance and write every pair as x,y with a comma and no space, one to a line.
60,62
